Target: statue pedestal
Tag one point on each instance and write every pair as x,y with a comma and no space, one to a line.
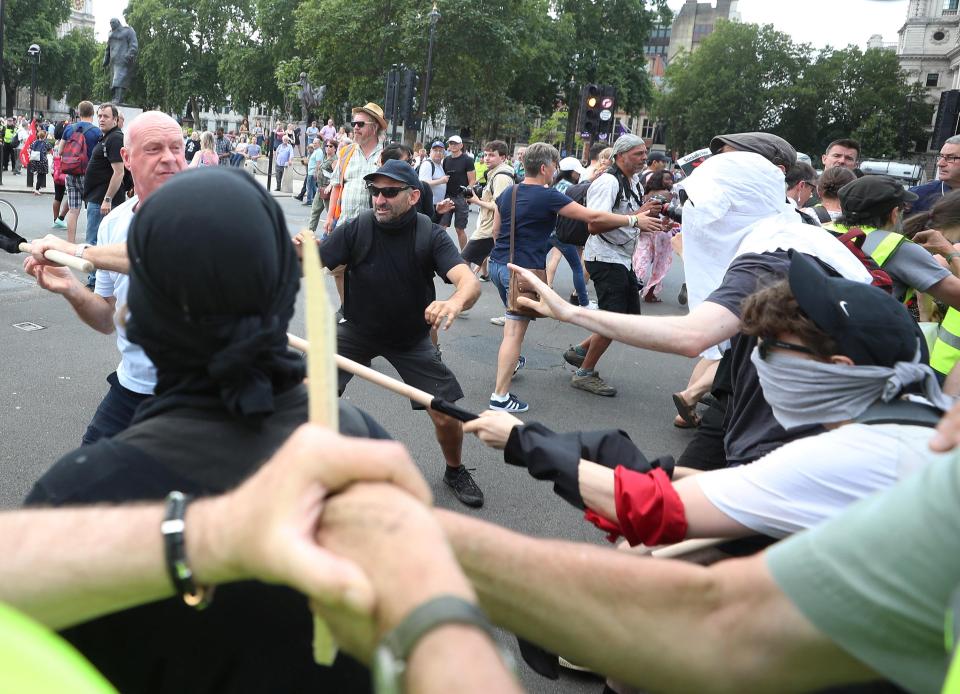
128,113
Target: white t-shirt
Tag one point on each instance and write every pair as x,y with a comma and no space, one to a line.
430,173
136,372
808,481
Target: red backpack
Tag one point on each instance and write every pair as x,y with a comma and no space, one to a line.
853,239
74,156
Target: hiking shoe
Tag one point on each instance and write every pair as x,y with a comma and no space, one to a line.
464,488
592,383
498,320
521,362
511,404
573,357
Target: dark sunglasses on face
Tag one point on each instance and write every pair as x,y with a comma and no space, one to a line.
359,124
389,193
765,345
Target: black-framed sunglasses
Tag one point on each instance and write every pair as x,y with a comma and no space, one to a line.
359,124
766,344
389,193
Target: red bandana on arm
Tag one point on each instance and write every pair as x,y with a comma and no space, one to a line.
649,510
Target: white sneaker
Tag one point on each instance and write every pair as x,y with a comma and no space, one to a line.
498,320
592,306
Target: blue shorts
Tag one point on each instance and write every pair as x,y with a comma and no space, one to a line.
500,276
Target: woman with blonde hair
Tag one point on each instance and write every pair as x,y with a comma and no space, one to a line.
207,156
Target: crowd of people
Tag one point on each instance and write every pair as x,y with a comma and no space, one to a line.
823,314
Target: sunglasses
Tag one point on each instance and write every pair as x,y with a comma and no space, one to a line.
765,345
359,124
389,193
329,146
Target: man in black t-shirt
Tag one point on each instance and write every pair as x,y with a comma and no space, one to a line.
103,181
390,300
460,172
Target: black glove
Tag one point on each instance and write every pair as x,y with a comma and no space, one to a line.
555,457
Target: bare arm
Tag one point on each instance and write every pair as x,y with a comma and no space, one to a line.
93,309
947,290
112,257
624,616
116,180
707,325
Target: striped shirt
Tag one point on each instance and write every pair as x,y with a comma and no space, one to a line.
354,197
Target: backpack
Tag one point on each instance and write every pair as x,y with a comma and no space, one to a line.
488,181
423,244
853,239
571,230
74,156
901,412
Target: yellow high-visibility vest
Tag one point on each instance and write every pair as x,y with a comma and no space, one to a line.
880,245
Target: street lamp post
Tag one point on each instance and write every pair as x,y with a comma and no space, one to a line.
434,17
33,52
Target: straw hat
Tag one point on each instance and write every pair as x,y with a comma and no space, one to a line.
374,111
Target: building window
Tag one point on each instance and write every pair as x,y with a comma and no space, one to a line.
939,36
646,128
950,6
933,79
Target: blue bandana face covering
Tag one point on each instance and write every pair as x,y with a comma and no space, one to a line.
802,392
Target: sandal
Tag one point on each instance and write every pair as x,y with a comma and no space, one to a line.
688,413
679,423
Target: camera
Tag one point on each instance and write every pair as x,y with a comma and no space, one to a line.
674,211
467,191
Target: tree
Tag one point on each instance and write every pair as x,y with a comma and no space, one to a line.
551,130
27,22
67,67
740,79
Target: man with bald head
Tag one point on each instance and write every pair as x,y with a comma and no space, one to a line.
153,151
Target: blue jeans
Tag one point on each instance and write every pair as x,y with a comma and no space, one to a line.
311,188
93,226
114,413
500,276
573,260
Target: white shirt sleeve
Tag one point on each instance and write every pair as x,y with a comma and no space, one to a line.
807,481
602,193
425,172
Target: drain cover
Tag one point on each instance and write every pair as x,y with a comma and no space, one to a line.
28,327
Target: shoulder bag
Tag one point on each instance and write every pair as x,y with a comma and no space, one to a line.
519,286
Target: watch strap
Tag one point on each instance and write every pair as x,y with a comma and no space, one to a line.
81,247
174,546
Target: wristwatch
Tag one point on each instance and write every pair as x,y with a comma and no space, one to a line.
390,658
107,198
81,247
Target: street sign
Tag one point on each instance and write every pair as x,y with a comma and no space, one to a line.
605,114
602,136
607,102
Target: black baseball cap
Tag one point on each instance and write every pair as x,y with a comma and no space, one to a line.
871,196
868,325
398,171
771,147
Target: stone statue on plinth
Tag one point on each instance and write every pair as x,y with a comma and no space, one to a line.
121,56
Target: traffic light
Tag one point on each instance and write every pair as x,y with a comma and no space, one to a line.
393,85
407,92
588,119
607,108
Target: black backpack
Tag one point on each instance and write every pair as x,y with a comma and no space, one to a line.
571,230
423,245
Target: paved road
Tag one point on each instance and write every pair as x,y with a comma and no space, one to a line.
53,379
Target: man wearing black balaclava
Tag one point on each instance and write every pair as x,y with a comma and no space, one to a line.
392,254
211,311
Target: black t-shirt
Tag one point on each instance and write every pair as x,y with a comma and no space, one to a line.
387,292
253,637
457,168
99,169
751,431
190,148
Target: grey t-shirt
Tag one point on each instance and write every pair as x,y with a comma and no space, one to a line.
877,579
913,267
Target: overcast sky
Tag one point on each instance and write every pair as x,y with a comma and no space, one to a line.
820,22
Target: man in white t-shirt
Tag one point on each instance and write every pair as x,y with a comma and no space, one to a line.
830,351
153,151
431,171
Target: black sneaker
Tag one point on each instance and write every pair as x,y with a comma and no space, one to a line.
464,488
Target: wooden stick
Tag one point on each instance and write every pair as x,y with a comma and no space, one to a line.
687,547
421,397
321,390
61,258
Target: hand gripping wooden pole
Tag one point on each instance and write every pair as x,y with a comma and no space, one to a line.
321,391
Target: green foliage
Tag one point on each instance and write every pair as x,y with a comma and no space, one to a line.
746,77
552,130
66,68
27,22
